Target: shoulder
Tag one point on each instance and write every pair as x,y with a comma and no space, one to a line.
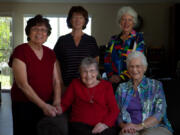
21,46
49,52
139,34
88,37
76,81
21,49
125,86
105,83
115,37
47,48
19,52
153,84
64,37
152,81
104,86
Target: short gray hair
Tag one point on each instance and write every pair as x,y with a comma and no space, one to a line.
87,61
127,10
137,54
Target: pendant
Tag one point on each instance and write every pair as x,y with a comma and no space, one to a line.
91,101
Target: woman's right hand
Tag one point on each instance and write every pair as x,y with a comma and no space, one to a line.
49,110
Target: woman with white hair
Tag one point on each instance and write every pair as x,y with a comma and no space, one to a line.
121,45
141,101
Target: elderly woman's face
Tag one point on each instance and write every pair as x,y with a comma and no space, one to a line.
136,69
77,21
127,23
38,34
89,75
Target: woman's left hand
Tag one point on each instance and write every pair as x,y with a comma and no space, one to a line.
129,128
57,104
99,127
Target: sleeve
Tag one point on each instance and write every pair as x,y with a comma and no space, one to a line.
160,102
118,100
108,59
94,48
17,53
112,107
58,49
140,43
140,47
125,76
68,97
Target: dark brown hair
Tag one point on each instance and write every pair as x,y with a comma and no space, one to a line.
80,10
37,20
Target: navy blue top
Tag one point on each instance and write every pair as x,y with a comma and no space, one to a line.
69,55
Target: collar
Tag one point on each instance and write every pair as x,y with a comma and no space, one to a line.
143,84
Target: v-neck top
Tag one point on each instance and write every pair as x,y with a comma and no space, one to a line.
39,72
70,55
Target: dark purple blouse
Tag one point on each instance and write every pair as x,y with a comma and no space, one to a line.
135,109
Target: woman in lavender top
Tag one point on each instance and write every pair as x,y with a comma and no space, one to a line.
141,101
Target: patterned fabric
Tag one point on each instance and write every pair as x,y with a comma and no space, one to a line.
117,51
152,99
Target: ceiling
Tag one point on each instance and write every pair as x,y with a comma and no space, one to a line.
91,1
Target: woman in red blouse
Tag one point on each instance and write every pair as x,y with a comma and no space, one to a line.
36,88
94,108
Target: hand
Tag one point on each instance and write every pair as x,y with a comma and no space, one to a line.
99,127
49,110
129,128
58,107
115,79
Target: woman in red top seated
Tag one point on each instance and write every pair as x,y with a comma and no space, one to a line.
36,81
94,108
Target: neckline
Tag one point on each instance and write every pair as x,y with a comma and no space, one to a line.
35,53
77,46
93,86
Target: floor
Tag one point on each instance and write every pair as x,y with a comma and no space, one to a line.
6,126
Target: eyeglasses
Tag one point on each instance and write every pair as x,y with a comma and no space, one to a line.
39,29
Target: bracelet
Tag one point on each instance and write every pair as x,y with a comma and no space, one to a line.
143,125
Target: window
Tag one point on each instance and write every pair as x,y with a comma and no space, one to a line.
5,51
59,28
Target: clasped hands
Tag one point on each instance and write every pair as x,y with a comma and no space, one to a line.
52,110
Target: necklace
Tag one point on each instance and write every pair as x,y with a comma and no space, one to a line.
91,92
91,96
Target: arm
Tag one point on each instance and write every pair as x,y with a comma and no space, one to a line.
68,97
140,43
94,49
159,102
140,47
112,107
111,116
20,75
160,108
97,58
57,86
108,59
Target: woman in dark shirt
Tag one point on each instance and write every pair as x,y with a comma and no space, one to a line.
70,49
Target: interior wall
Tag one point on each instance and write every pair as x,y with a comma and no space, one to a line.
155,18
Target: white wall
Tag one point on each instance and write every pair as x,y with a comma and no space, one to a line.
156,19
